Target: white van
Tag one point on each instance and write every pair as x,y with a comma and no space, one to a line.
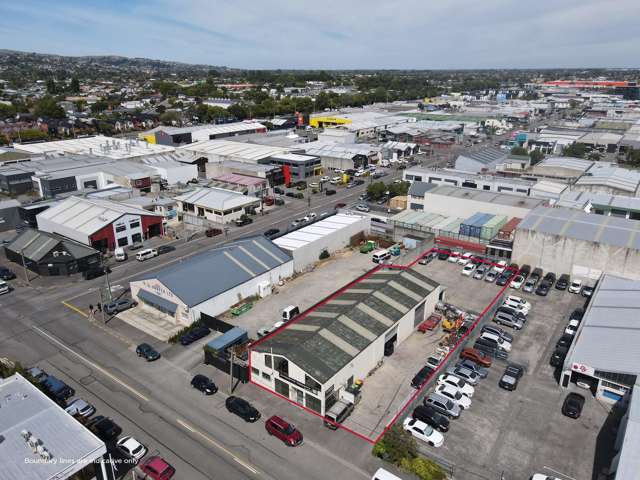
146,254
289,313
382,474
380,256
119,254
4,287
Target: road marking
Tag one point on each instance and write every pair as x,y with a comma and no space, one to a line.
558,473
75,309
217,445
90,363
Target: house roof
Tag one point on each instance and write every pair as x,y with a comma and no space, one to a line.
325,339
203,276
216,198
36,245
589,227
25,408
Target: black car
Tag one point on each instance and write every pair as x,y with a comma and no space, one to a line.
558,356
421,376
195,334
511,376
550,278
430,416
243,220
564,341
147,352
6,274
165,249
278,190
444,253
543,288
329,191
525,270
272,232
93,272
104,428
503,278
204,384
577,314
358,181
586,291
572,406
242,408
563,282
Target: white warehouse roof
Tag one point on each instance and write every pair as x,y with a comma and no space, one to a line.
217,198
101,146
311,233
235,149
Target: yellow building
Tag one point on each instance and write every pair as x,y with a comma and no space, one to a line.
321,122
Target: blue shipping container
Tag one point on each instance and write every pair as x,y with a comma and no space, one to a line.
233,336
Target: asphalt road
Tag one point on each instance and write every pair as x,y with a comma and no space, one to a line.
46,324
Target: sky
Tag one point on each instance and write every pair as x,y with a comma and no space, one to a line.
334,34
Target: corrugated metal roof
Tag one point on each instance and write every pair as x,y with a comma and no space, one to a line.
487,156
206,275
418,189
316,231
611,176
213,129
629,460
507,199
70,444
216,198
327,338
234,149
36,245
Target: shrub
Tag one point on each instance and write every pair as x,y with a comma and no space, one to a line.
176,337
324,254
426,469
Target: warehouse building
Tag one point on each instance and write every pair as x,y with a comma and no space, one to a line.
214,205
329,234
49,254
9,215
14,180
101,224
584,245
40,440
177,136
464,202
344,156
254,186
608,178
213,281
322,353
481,160
604,355
602,204
566,169
487,183
296,166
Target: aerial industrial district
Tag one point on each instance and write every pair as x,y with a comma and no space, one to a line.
443,288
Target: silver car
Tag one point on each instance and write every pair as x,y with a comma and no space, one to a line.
80,408
443,405
471,377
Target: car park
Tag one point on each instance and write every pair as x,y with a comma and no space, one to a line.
452,393
204,384
157,468
285,431
104,428
468,269
131,447
511,376
443,405
476,356
147,352
575,286
430,416
242,408
80,408
572,405
479,370
563,282
498,332
457,383
466,374
490,276
117,306
423,432
572,327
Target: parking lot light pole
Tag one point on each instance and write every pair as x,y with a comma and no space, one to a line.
24,266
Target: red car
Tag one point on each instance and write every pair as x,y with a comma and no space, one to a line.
340,205
430,323
212,232
284,431
476,356
157,468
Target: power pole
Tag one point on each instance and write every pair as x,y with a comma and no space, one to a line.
231,373
24,266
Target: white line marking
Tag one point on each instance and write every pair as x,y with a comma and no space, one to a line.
217,445
92,364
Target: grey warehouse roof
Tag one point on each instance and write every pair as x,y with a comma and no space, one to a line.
486,196
36,245
328,337
208,274
418,189
579,225
25,408
487,156
609,334
217,198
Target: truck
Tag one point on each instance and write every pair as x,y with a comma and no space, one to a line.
368,246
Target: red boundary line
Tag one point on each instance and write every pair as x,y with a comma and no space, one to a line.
340,291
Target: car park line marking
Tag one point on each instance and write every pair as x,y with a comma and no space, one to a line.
218,446
75,309
558,473
52,339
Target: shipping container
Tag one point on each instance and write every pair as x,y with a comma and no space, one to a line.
234,336
475,229
465,225
506,231
492,227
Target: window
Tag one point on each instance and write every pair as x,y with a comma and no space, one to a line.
268,361
134,224
416,206
136,238
266,376
282,365
311,383
313,403
486,187
505,189
122,242
452,182
121,228
255,371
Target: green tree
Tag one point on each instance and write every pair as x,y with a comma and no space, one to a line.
239,111
170,117
519,151
7,110
633,156
577,150
52,88
536,156
74,87
595,156
47,107
99,106
376,190
399,444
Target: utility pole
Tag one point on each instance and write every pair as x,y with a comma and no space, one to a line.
231,373
24,266
106,274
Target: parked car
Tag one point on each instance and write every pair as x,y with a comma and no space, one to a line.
511,376
513,299
587,291
117,306
458,383
572,327
80,408
516,307
529,285
490,348
500,266
212,232
339,205
423,432
577,314
468,269
476,356
242,408
157,468
430,323
558,356
480,371
104,428
361,207
503,278
576,286
4,287
564,341
444,253
498,332
147,352
430,416
6,274
543,288
465,258
422,376
283,430
455,395
480,271
524,270
204,384
329,191
466,374
490,276
194,334
57,389
131,447
443,405
572,405
514,312
278,190
563,282
272,232
243,220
